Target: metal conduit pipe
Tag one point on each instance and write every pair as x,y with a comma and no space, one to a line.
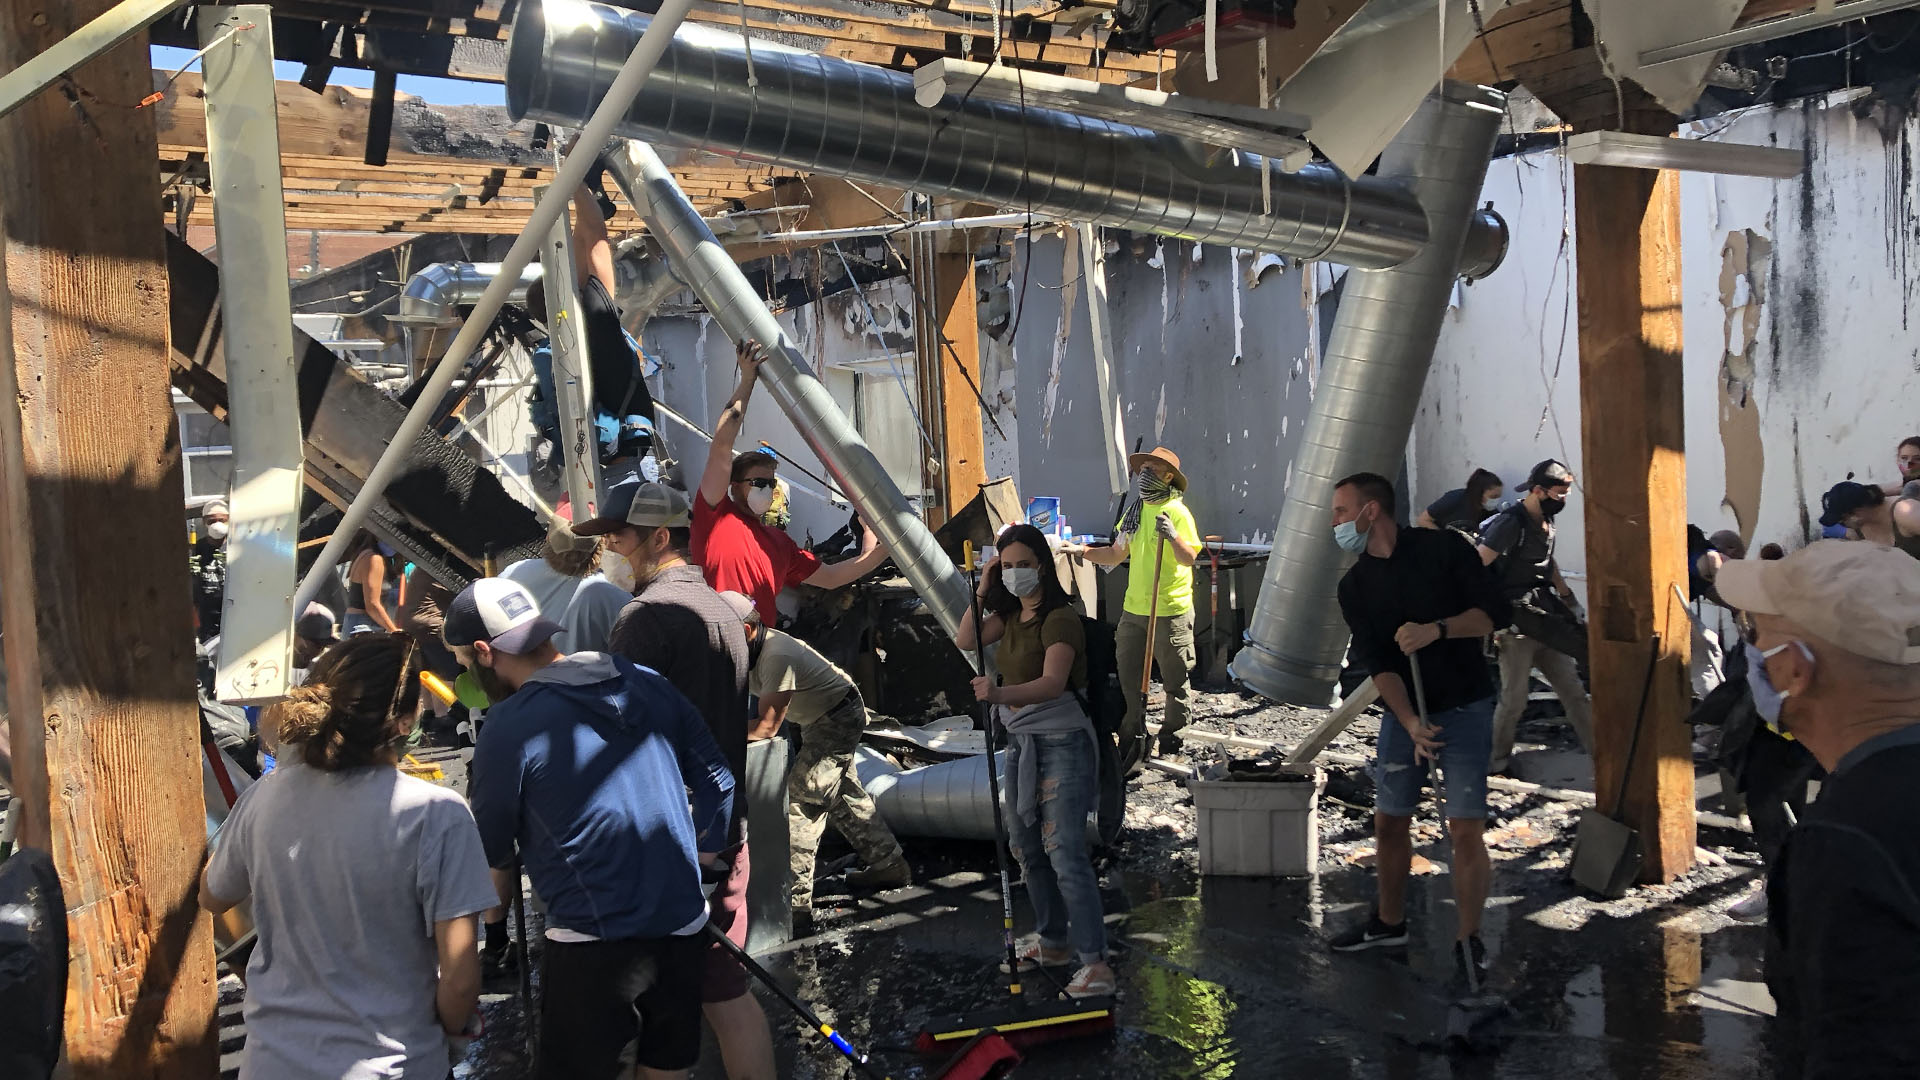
1369,388
817,114
716,279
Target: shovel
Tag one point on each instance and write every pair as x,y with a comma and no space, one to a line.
1606,851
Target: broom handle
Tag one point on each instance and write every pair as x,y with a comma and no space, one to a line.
993,786
1153,615
800,1007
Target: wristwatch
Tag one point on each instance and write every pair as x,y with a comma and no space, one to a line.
1442,624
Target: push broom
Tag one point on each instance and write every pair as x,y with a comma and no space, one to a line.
980,1035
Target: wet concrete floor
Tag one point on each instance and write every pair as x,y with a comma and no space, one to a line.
1226,977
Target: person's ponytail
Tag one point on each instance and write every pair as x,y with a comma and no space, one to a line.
356,705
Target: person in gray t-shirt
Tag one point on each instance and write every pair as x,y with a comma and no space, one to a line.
364,884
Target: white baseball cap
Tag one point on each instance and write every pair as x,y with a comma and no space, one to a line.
499,612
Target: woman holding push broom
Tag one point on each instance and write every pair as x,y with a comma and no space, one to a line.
1161,544
1051,769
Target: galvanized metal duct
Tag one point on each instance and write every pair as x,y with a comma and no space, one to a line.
716,279
435,295
1369,389
817,114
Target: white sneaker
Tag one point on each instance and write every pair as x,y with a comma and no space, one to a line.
1752,906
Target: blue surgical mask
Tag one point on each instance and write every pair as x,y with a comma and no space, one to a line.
1767,700
1347,534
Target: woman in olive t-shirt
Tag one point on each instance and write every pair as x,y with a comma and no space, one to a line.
1051,767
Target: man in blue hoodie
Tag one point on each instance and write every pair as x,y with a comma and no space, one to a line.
587,764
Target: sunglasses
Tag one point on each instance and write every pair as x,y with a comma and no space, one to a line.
761,482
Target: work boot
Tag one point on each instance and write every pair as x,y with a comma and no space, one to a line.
891,873
497,964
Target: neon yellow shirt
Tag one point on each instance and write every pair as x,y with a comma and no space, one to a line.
1176,581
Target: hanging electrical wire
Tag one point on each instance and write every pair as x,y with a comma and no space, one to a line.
873,324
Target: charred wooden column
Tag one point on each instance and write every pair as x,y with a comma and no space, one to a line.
98,630
1633,483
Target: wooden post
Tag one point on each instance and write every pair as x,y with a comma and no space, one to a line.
1633,486
97,619
947,361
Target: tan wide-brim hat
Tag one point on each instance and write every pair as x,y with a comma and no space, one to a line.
1165,457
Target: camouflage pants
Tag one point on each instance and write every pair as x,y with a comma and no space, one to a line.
823,788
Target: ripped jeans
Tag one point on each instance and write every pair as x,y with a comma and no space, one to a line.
1052,851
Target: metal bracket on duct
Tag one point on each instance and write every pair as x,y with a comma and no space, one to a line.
818,114
1369,388
716,279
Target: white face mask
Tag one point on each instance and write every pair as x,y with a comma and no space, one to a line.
216,530
1021,581
759,501
618,569
1491,502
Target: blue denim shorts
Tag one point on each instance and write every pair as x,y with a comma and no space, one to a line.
1467,735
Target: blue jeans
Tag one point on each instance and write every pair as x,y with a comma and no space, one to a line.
1467,735
1052,851
357,622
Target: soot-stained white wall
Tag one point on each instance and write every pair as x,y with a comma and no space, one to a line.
1801,358
1217,371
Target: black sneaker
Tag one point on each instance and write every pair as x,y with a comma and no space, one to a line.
498,964
1470,964
1372,934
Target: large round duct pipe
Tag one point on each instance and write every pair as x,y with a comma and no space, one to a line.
1369,388
716,279
817,114
435,295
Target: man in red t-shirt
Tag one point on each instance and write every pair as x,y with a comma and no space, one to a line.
738,552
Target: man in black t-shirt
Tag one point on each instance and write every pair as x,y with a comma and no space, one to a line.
1548,632
1837,629
1420,593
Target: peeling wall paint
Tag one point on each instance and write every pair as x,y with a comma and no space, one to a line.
1799,364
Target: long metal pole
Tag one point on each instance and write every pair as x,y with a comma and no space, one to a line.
112,27
573,171
730,299
1774,28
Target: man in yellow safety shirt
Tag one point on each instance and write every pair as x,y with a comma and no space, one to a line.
1161,551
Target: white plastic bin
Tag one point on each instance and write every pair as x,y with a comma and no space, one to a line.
1260,828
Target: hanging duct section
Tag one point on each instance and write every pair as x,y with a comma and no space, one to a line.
1370,383
817,114
714,277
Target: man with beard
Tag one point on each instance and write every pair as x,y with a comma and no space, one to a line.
1548,632
678,626
585,769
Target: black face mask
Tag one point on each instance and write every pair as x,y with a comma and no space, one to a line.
1551,507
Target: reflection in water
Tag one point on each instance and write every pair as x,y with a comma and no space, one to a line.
1173,1004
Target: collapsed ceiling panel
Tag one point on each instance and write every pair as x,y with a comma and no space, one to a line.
1627,28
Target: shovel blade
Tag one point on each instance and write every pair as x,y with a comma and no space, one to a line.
1606,855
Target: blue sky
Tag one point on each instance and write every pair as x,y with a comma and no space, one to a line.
438,91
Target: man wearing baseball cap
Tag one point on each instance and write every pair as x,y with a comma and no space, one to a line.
1160,592
567,582
678,626
1548,631
1837,629
738,551
587,765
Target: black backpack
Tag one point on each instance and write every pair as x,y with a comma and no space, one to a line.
1102,698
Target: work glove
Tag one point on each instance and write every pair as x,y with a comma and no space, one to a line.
1164,526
